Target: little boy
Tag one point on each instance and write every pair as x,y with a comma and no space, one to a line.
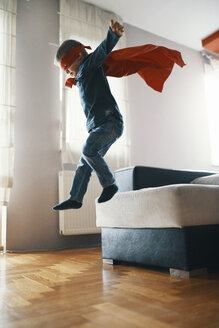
104,120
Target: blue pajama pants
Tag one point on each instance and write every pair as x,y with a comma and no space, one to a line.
98,142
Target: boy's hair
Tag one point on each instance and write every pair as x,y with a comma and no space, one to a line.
65,47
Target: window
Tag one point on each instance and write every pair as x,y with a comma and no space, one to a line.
7,105
89,25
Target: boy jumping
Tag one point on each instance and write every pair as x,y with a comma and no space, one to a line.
104,120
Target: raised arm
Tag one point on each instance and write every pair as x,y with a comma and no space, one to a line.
100,54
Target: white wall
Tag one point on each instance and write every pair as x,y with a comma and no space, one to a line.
32,224
169,129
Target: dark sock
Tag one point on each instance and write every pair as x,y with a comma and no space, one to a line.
67,205
107,193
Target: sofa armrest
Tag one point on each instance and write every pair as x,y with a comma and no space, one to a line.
138,177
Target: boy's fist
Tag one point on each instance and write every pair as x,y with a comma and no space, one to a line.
116,27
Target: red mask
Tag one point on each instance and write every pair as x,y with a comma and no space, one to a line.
71,56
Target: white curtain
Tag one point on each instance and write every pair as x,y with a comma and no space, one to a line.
211,65
8,10
89,25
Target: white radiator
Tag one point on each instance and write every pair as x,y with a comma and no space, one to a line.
83,220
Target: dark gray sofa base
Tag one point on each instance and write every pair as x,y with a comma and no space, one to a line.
187,248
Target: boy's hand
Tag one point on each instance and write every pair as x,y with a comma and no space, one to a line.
116,28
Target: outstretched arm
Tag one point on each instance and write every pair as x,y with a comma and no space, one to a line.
97,58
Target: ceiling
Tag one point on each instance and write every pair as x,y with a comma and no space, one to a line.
183,21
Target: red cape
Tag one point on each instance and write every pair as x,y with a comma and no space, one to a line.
153,63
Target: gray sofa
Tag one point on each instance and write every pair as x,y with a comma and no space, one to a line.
159,218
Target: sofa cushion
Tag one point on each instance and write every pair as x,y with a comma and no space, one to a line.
209,180
161,207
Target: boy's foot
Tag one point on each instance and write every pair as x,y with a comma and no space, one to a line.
107,193
67,205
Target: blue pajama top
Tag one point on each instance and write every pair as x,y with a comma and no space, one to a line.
96,98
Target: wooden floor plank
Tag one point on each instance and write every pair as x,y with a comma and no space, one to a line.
72,288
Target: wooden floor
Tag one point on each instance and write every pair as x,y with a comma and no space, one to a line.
72,288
